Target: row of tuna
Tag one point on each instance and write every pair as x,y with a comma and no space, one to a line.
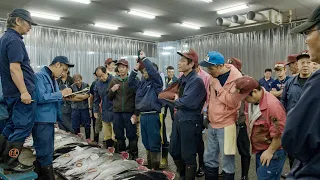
75,159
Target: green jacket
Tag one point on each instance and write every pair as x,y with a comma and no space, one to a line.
124,98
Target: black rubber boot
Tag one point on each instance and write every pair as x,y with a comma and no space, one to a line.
109,143
37,168
96,137
10,156
181,168
3,142
164,159
87,132
155,160
133,149
228,176
200,172
121,146
47,173
211,173
245,166
116,148
190,172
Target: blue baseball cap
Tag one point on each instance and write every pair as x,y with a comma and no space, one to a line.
24,14
213,58
62,59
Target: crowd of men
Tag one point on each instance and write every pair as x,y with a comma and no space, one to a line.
275,118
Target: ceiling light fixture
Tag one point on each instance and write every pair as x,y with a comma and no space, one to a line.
45,16
233,8
141,14
148,33
168,47
124,57
208,1
189,25
106,26
90,52
82,1
165,53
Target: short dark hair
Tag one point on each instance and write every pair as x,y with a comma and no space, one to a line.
190,61
268,70
102,68
116,69
259,88
170,68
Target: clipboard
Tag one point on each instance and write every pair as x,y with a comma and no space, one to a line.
85,90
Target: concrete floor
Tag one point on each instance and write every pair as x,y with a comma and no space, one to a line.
172,168
28,158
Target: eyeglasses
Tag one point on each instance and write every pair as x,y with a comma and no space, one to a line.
309,31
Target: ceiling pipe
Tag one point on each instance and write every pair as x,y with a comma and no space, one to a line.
223,21
256,16
239,19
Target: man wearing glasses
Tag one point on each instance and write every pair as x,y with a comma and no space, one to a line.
18,86
49,99
301,137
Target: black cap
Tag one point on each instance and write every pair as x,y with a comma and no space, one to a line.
62,59
24,14
313,19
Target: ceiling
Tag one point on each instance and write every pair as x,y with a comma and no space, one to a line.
169,13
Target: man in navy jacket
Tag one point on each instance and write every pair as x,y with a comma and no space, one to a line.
301,137
49,99
187,126
148,105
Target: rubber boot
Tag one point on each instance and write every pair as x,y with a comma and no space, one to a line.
181,168
96,137
245,166
164,159
133,149
3,142
47,173
109,143
227,176
190,172
11,154
148,163
211,173
87,132
155,160
37,168
121,146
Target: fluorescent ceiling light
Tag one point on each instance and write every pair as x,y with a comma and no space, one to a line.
141,14
186,45
135,56
106,26
168,47
208,1
124,57
188,25
148,33
165,53
233,8
90,52
82,1
45,16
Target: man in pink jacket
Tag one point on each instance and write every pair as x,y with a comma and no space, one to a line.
223,109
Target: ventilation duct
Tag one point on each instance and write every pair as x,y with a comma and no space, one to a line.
223,21
256,16
239,19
